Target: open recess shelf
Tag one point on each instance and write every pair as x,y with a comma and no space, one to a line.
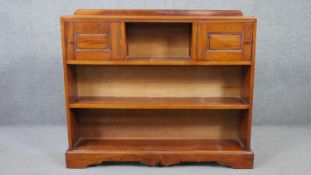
159,87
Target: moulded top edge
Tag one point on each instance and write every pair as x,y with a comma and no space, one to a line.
158,18
157,12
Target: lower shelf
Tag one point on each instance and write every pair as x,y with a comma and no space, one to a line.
158,145
154,152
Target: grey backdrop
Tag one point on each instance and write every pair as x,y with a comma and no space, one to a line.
31,75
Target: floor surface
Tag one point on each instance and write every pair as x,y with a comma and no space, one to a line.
40,150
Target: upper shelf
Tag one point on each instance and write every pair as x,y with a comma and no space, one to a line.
140,12
160,103
158,61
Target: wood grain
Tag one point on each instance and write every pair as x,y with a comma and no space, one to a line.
159,86
154,81
235,48
158,124
225,41
89,40
234,159
160,103
158,145
93,41
164,39
175,61
70,88
142,12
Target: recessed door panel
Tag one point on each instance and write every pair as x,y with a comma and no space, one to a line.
225,41
96,40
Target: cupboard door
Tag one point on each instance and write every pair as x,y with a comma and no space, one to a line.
96,40
225,41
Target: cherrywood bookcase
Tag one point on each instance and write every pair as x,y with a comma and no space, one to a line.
159,87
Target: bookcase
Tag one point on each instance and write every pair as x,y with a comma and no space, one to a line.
159,87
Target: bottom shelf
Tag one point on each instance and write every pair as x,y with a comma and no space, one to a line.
158,145
159,152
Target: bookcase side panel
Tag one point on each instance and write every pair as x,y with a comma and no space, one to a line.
70,87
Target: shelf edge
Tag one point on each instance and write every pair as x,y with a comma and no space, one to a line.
161,63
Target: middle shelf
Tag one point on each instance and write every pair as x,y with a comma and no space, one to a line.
160,103
157,87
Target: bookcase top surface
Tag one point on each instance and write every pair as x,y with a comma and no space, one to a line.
141,12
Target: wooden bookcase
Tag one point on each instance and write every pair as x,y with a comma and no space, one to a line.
159,86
